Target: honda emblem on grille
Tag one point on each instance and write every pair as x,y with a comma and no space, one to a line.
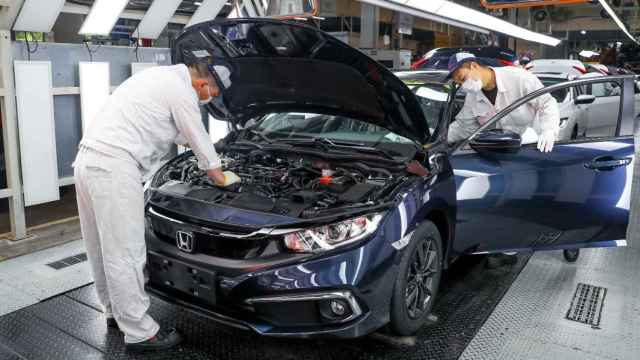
184,241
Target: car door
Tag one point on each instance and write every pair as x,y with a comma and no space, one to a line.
575,196
604,110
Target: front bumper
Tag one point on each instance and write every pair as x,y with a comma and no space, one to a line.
284,298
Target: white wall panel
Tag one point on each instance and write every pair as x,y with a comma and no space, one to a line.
217,129
137,67
37,131
95,87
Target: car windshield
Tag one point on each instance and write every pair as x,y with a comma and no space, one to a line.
330,129
432,97
559,95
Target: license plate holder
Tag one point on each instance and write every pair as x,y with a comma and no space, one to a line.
182,277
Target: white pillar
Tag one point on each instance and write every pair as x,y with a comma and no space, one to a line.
10,136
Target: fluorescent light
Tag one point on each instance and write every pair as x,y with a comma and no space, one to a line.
394,6
615,18
156,19
452,13
583,32
207,11
588,53
38,16
197,3
102,17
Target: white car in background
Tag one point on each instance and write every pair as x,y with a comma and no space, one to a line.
587,111
557,67
573,105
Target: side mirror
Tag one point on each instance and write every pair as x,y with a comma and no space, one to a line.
584,99
497,140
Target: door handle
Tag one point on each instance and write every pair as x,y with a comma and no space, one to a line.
607,163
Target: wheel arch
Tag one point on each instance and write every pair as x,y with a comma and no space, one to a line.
445,226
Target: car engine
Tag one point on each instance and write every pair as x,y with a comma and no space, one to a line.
284,184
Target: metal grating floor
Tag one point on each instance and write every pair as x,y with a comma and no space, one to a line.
586,305
530,323
70,326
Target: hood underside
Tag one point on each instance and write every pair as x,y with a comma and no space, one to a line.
281,66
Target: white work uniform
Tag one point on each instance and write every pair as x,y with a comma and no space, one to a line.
512,82
124,144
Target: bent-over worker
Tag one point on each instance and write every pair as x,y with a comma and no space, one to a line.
121,147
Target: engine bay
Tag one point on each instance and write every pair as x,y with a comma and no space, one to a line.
289,184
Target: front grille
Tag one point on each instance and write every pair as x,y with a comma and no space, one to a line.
209,242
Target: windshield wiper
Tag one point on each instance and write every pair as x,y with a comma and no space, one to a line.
339,144
261,136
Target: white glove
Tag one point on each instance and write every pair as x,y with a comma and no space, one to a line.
545,141
230,178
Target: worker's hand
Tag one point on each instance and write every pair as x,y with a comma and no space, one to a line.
216,175
545,141
223,178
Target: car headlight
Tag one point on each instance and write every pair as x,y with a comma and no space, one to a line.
330,236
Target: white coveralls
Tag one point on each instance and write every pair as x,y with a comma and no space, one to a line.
124,144
541,113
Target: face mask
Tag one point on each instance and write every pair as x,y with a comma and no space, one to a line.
207,100
472,85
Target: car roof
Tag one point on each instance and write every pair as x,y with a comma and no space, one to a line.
555,75
556,61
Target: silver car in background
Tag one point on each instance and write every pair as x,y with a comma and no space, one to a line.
587,111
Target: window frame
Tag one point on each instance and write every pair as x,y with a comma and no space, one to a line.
626,82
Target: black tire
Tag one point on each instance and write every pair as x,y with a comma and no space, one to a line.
407,319
571,255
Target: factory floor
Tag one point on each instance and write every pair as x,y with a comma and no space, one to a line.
48,309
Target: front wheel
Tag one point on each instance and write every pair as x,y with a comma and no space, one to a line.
416,285
571,255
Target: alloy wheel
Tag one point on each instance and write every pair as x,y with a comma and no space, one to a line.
419,290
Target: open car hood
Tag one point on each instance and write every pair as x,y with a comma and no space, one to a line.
279,66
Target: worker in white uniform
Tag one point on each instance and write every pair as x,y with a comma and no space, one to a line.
122,146
491,89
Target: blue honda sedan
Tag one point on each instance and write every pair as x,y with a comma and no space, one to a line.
352,203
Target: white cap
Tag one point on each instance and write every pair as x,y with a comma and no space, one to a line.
224,74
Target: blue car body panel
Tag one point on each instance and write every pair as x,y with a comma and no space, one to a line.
533,200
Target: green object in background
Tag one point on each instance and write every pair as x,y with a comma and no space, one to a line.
30,36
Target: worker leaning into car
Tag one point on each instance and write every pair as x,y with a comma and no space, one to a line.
122,145
491,89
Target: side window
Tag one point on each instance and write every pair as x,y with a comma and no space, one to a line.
578,121
600,118
604,89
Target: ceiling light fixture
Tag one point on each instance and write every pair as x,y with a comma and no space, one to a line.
207,11
451,12
156,19
102,17
617,20
38,16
